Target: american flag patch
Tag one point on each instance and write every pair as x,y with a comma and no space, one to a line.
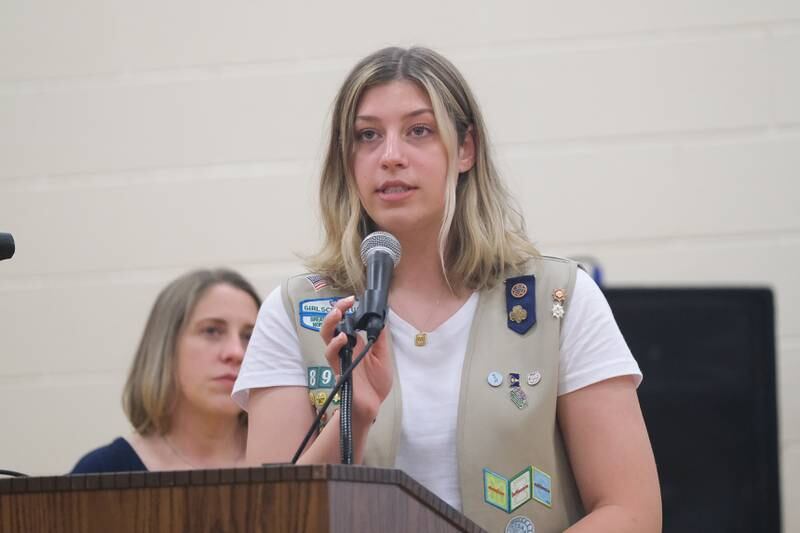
317,281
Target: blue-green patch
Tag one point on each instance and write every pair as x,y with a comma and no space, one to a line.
542,487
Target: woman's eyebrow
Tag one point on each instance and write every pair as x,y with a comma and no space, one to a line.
421,111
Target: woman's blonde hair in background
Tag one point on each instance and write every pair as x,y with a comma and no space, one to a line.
151,388
482,239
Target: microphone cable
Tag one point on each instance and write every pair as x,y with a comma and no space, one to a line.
344,377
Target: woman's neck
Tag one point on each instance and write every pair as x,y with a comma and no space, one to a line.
420,267
205,441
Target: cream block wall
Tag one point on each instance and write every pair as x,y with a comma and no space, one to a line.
139,140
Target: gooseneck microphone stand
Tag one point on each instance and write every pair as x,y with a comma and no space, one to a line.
347,327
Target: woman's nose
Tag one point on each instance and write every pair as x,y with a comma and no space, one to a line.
393,153
233,349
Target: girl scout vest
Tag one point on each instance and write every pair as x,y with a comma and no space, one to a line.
514,473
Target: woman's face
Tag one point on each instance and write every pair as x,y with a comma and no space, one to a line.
211,347
400,160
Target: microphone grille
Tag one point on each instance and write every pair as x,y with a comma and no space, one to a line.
383,242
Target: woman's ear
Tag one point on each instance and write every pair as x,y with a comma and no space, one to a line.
466,152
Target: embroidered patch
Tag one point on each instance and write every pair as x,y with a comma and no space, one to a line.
320,377
520,524
520,489
542,488
507,494
313,311
320,306
317,281
495,489
312,322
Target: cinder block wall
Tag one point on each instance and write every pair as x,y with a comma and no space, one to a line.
139,140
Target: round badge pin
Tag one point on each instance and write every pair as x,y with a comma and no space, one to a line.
534,378
518,290
495,379
520,524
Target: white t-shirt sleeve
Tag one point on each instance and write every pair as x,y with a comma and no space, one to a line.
273,355
592,346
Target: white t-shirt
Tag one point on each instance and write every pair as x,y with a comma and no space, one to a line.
592,350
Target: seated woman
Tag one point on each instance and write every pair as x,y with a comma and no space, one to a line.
178,393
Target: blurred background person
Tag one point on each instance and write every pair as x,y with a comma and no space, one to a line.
177,395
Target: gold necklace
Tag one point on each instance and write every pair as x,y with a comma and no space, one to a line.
421,337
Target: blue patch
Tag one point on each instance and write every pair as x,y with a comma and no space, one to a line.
313,311
542,489
521,303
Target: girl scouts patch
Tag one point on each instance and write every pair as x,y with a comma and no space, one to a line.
520,524
312,312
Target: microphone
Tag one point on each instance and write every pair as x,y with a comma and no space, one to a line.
380,252
6,246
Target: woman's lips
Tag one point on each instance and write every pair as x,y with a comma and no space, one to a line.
393,192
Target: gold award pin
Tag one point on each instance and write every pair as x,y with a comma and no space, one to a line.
518,314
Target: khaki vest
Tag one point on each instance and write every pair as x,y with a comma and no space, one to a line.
492,432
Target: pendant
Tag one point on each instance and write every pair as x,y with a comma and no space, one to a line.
420,339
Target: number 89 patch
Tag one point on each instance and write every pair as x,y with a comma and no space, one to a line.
320,377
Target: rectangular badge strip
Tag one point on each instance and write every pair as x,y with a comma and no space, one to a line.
511,494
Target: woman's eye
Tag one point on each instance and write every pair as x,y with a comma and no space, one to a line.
367,135
212,331
420,131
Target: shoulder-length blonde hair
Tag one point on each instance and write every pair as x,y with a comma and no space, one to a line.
151,388
482,238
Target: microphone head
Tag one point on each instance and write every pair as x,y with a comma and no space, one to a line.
6,246
380,241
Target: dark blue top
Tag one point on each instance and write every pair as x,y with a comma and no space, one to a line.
116,457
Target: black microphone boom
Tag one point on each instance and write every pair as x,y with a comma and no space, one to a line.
380,252
6,246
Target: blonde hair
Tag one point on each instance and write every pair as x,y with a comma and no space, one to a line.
151,388
482,238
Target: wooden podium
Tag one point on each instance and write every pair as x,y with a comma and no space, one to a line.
274,498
